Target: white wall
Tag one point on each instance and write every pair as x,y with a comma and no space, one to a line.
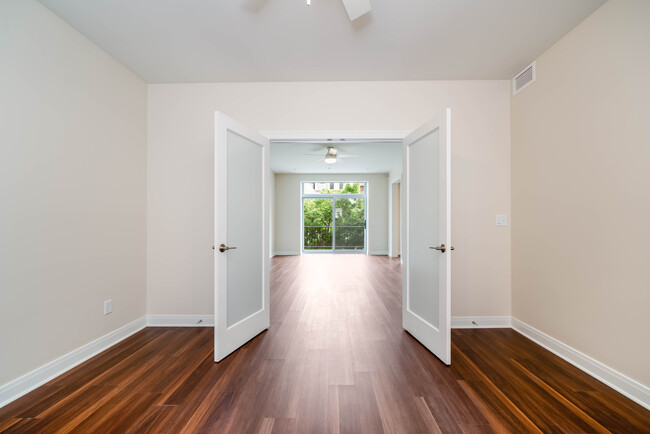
180,173
288,237
72,189
581,190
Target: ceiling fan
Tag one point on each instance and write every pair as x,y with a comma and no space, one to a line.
355,8
332,155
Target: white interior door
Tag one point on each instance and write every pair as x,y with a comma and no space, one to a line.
426,239
241,235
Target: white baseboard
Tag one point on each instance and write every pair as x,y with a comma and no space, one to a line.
287,253
634,390
378,253
39,376
180,320
480,322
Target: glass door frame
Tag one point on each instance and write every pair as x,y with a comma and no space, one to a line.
333,197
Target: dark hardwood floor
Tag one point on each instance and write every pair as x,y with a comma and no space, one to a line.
335,359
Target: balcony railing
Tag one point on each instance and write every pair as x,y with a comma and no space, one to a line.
318,238
347,238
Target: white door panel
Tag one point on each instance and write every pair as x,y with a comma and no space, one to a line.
241,225
426,300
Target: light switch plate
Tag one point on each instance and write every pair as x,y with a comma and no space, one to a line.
108,306
502,220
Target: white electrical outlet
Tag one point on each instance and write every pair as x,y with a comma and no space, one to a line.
108,307
502,220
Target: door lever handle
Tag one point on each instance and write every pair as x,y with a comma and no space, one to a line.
223,248
442,248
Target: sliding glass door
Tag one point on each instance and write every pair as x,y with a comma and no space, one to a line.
334,216
350,224
317,224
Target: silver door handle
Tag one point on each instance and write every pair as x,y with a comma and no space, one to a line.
442,248
223,248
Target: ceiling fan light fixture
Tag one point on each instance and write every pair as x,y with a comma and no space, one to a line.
330,157
308,2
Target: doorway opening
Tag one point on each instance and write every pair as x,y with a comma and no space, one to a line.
334,217
282,181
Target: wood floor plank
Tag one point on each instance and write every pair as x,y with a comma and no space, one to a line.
8,423
595,426
285,395
349,411
267,426
427,416
501,398
112,358
314,390
23,426
151,420
284,426
218,397
113,398
333,413
51,395
367,401
494,421
70,411
617,413
334,360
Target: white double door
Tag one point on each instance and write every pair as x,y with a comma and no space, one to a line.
242,235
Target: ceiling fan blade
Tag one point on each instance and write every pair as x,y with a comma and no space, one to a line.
315,153
356,8
348,156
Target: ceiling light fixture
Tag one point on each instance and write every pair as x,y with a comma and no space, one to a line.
330,157
308,2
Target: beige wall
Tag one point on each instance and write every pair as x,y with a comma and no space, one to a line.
288,209
72,190
581,190
180,173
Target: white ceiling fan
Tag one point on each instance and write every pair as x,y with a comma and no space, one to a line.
355,8
332,155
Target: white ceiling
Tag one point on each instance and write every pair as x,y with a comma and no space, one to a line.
173,41
372,158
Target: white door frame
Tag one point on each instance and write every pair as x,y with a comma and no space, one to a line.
324,135
394,226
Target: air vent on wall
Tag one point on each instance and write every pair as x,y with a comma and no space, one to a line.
523,79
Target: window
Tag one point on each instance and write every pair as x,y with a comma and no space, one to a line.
334,216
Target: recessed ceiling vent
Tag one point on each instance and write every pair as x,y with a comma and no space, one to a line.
523,79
